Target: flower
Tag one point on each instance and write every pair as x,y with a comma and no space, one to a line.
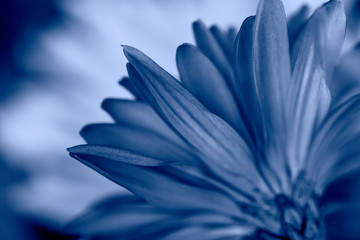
249,145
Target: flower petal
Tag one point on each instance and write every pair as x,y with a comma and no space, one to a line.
201,78
231,35
296,24
247,98
346,80
126,83
272,77
309,96
121,217
138,140
246,94
328,25
140,114
335,151
161,191
115,154
220,147
210,47
223,40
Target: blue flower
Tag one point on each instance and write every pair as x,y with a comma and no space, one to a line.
249,145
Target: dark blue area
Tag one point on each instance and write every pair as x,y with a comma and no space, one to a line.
20,21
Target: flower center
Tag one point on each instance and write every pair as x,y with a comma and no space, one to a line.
297,215
299,222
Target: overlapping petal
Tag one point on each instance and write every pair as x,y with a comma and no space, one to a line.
271,59
202,79
309,97
243,146
217,143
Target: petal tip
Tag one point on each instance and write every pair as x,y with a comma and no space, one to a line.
106,103
184,48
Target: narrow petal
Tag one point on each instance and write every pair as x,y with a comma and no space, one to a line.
210,47
161,191
231,34
309,96
246,94
139,114
201,78
116,155
346,80
220,147
126,83
121,217
328,24
335,150
138,140
224,42
296,24
272,77
248,99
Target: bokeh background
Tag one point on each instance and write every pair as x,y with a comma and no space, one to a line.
58,61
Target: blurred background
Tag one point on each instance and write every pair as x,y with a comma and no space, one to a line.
58,61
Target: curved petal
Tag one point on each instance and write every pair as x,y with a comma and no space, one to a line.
202,79
223,40
271,60
309,97
220,147
336,145
247,97
137,140
296,24
116,155
121,217
246,94
139,114
161,191
126,83
231,35
346,80
210,47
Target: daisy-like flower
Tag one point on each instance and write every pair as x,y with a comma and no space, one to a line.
246,146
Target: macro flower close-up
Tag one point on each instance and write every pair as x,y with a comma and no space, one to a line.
255,140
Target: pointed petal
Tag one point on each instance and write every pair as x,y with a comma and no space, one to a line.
139,114
271,60
328,24
137,140
335,150
126,83
247,97
220,147
161,191
346,80
309,96
210,47
246,94
202,79
272,77
116,154
224,42
120,216
231,35
296,24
